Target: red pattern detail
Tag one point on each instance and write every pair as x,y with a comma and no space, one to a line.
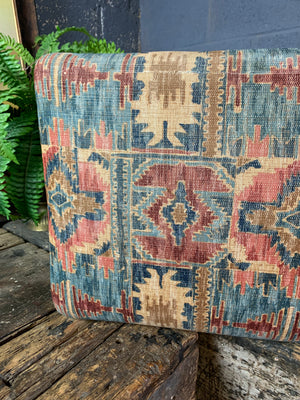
264,187
195,178
235,79
42,72
217,321
88,231
59,300
262,326
281,77
126,79
80,72
242,278
296,327
288,278
195,252
107,263
59,136
87,305
103,142
127,312
91,181
257,147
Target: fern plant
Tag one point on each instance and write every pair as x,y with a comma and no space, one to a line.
21,170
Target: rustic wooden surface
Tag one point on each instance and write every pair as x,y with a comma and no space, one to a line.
247,369
18,228
24,287
44,355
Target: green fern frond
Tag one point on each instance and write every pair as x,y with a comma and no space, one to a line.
6,146
11,71
17,48
4,204
4,200
7,150
90,46
50,43
25,183
21,125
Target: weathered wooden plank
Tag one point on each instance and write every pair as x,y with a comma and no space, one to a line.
245,369
19,228
130,364
21,352
24,328
2,231
24,286
181,381
8,240
4,390
48,352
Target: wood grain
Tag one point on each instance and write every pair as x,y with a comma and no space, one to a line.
178,385
131,363
8,240
24,286
44,354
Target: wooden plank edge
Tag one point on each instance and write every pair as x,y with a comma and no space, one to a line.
43,374
8,240
181,383
25,328
131,362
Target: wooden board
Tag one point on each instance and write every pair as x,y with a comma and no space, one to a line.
19,228
33,361
8,240
24,286
178,385
130,364
245,369
67,357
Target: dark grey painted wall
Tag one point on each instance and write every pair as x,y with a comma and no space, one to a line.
114,20
219,24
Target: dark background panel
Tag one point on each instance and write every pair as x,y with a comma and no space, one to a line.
114,20
219,24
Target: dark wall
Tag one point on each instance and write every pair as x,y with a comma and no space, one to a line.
114,20
219,24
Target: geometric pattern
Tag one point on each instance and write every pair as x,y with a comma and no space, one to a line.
173,188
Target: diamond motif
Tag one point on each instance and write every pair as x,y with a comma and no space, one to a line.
60,199
294,219
192,226
179,213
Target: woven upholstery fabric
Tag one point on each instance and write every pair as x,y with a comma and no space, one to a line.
173,184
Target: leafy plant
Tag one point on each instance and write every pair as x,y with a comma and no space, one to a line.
21,170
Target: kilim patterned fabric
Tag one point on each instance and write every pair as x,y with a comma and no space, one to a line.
173,183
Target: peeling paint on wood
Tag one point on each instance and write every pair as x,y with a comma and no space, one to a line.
245,369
